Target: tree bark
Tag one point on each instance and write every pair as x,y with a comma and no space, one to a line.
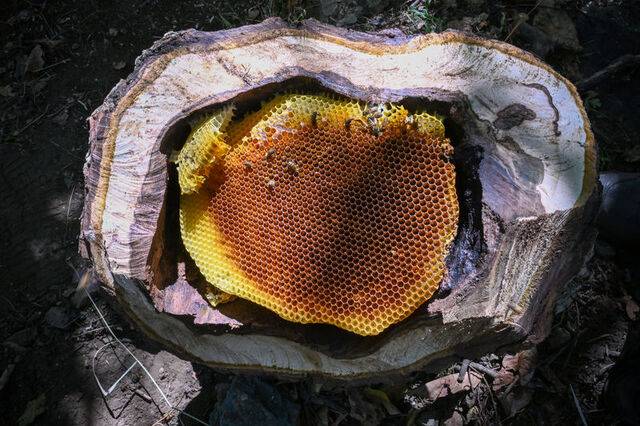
525,160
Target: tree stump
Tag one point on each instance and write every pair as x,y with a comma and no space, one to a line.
526,185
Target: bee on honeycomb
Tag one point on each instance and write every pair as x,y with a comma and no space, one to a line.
316,218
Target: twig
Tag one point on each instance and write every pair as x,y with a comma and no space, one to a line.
493,401
13,308
31,123
91,330
66,222
614,67
6,374
486,370
64,61
143,396
577,403
463,370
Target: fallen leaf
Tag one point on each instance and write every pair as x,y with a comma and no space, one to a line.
51,44
61,117
631,307
35,61
38,86
521,365
7,91
633,154
34,408
449,385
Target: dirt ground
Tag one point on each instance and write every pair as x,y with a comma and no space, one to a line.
59,61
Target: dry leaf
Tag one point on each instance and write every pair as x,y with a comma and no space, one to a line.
35,61
449,385
631,307
7,91
33,410
61,117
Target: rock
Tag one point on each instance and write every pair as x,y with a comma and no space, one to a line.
250,401
619,219
533,39
327,7
57,317
253,14
348,19
559,27
376,6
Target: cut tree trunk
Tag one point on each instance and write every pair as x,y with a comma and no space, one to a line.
526,182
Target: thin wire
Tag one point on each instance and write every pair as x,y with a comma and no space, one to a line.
95,376
164,397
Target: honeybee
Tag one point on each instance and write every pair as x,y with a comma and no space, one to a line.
292,167
314,119
374,125
410,121
271,184
347,123
374,113
447,153
270,153
248,164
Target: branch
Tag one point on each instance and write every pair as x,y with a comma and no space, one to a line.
615,67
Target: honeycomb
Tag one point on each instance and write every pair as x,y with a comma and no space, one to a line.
204,146
322,209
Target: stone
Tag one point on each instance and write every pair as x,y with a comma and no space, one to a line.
57,317
619,219
252,401
533,39
559,27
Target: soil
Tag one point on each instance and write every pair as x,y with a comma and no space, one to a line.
59,61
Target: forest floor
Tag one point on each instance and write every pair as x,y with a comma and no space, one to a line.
60,60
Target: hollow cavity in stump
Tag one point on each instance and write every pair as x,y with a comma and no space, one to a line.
322,209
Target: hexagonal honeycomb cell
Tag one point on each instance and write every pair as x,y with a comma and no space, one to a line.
323,209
